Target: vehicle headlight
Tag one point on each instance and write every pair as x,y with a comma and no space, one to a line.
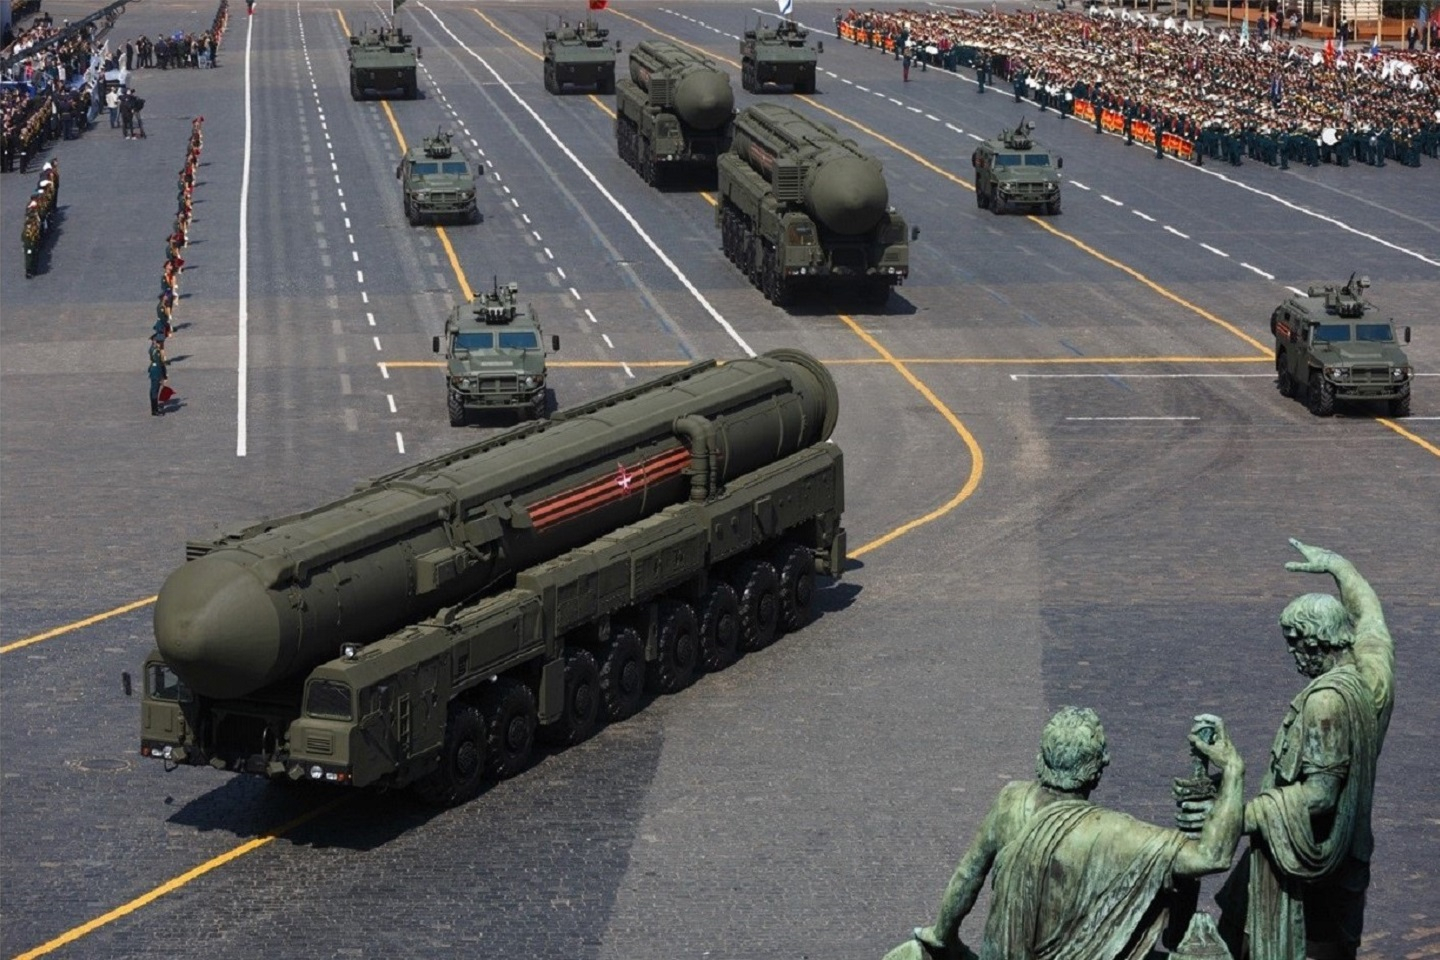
421,194
1337,373
527,382
1400,373
316,772
466,383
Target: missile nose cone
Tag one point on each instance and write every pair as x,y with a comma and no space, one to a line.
704,99
849,195
218,629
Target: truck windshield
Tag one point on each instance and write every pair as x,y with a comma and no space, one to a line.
519,340
1374,332
328,699
1008,159
475,341
455,167
425,169
1333,332
1037,160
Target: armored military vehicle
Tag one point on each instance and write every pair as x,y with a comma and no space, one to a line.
675,111
438,181
1331,346
1014,171
779,54
800,205
419,630
383,62
494,356
579,56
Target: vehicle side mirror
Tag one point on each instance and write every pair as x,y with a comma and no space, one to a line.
397,171
819,46
555,341
1059,163
125,683
914,233
617,46
1407,334
435,344
417,53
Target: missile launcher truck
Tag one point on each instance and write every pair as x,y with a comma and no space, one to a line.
800,205
579,56
494,356
780,54
1330,346
675,111
420,631
383,61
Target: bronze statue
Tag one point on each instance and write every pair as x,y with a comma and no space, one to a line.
1073,880
1305,876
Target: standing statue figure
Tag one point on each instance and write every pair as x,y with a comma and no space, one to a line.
1073,880
1308,867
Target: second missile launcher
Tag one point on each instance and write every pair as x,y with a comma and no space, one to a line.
419,631
800,204
676,110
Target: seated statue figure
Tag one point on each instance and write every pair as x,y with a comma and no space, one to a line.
1073,880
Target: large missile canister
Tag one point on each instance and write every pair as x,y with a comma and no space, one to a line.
269,602
841,187
697,89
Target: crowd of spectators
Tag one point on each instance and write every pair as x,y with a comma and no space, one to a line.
1225,91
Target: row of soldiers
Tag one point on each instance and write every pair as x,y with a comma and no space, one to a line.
175,244
1187,77
38,213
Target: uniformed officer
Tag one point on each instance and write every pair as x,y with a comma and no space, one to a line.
157,376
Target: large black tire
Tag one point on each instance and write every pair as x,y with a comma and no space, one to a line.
1400,406
1053,208
678,654
455,407
580,716
354,88
997,206
758,586
719,626
622,674
462,759
1321,396
412,214
979,197
876,291
796,567
1283,380
509,710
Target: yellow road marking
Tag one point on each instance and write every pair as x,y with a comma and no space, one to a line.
875,361
78,624
1419,441
455,263
169,886
343,25
977,458
603,106
395,126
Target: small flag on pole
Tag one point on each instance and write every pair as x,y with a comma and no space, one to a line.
598,4
787,7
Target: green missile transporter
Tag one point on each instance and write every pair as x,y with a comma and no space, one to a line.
676,110
421,631
800,206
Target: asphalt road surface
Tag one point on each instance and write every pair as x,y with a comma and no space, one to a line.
1070,480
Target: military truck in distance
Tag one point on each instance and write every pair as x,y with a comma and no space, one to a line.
778,54
383,61
439,181
1013,170
416,632
1330,346
675,110
579,56
494,356
800,205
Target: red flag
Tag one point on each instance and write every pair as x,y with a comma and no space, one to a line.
598,4
166,394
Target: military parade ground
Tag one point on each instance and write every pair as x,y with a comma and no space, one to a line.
1071,474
